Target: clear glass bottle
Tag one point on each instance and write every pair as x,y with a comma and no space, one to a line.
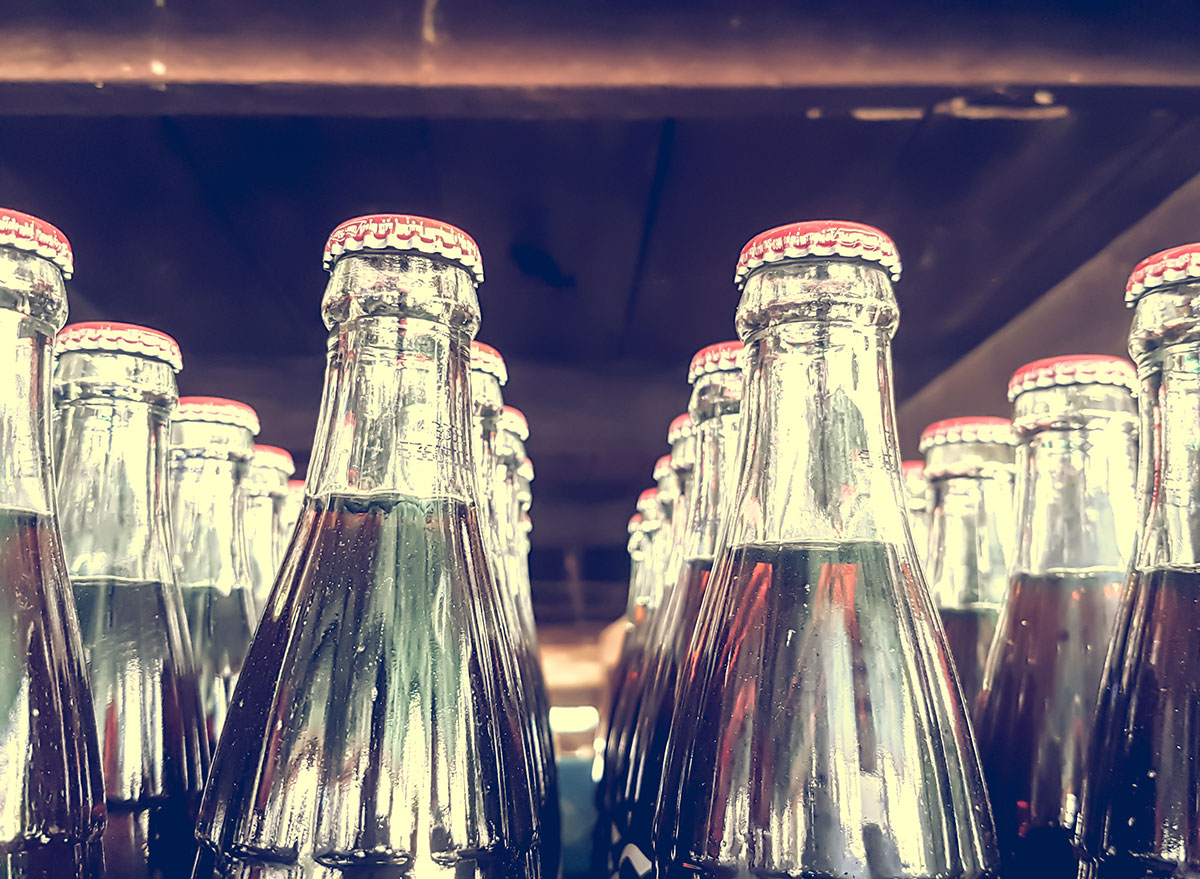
1076,418
498,435
653,531
971,466
376,730
212,440
265,488
114,389
716,377
289,514
1139,807
51,794
821,733
916,492
673,472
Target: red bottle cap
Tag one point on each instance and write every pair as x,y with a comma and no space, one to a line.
721,357
818,238
662,468
217,410
1074,369
295,485
971,429
912,468
120,339
681,428
1174,265
25,232
486,359
525,470
513,420
275,458
650,495
408,233
635,522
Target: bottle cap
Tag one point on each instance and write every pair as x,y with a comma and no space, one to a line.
1175,265
525,470
648,496
119,339
635,522
217,410
25,232
721,357
513,420
1074,369
681,428
486,359
295,485
912,468
971,429
407,233
275,458
662,468
818,238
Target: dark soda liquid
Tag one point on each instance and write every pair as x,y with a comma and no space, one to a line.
632,851
1035,717
152,742
969,632
375,730
51,799
824,739
1141,804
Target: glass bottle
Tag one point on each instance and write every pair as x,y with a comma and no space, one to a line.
114,389
51,794
1139,807
627,677
498,435
716,377
916,493
820,734
289,514
1076,418
265,488
212,439
375,730
971,465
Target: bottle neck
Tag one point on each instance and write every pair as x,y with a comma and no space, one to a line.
208,506
25,473
1076,478
1169,469
970,543
113,415
818,454
395,416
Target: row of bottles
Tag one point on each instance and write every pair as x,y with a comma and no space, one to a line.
391,715
836,665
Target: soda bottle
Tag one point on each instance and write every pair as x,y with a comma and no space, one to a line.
114,389
820,734
1076,419
649,530
212,439
51,794
970,465
498,436
265,487
289,514
716,377
376,730
1139,807
916,493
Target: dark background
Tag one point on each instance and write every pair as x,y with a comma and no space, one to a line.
610,159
